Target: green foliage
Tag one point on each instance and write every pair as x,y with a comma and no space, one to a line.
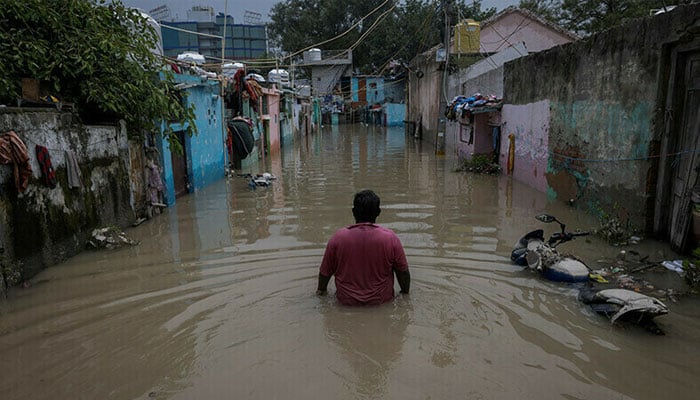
691,269
590,16
612,229
90,53
395,31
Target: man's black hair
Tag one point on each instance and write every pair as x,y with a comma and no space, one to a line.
365,206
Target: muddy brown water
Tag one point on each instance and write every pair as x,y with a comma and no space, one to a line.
217,301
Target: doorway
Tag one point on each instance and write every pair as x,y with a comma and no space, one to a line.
680,160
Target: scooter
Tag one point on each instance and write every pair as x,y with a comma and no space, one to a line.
617,304
534,252
625,305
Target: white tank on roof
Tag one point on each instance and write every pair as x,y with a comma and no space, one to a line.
191,56
278,76
230,69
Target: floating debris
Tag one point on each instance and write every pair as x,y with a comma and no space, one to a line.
264,179
109,238
613,232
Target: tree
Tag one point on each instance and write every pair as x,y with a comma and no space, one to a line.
378,31
547,9
95,55
590,16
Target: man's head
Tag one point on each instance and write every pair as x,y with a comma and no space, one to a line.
365,206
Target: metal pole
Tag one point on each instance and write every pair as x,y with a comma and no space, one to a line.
222,81
442,122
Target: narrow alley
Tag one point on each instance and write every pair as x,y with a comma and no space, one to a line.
217,299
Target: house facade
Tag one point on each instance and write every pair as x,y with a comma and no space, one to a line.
510,34
203,156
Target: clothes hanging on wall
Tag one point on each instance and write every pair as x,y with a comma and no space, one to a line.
155,183
14,151
73,171
47,172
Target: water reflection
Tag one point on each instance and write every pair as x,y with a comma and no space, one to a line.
370,340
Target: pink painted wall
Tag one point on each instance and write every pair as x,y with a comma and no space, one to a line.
529,123
515,27
482,141
272,118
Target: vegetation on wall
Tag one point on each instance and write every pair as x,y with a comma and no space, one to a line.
94,54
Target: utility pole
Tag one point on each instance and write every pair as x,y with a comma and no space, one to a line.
442,120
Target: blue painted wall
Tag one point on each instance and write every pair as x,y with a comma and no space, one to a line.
394,114
374,87
205,151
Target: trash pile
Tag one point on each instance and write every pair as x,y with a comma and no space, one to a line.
624,273
464,107
109,238
689,270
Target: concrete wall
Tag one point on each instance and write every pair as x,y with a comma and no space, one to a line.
326,77
43,226
529,123
395,91
604,114
394,114
424,96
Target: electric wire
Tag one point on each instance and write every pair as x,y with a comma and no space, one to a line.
341,34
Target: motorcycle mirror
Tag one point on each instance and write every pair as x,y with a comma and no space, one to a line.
545,218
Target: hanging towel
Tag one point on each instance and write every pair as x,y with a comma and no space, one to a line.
13,151
47,172
73,171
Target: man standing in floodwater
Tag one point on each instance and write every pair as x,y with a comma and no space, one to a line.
364,258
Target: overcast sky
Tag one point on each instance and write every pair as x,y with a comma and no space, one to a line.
237,8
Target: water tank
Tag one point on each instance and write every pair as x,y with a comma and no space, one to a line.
467,36
230,69
278,76
190,56
314,55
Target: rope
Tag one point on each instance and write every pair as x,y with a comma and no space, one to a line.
603,160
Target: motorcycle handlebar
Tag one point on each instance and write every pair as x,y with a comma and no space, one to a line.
565,237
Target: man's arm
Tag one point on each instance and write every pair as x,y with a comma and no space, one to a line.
322,284
404,279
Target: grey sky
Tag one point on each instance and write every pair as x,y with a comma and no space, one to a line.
237,8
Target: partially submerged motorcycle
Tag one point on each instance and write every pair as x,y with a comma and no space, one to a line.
533,251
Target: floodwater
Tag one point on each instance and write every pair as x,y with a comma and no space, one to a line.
217,301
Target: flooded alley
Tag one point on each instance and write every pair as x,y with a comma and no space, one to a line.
217,300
